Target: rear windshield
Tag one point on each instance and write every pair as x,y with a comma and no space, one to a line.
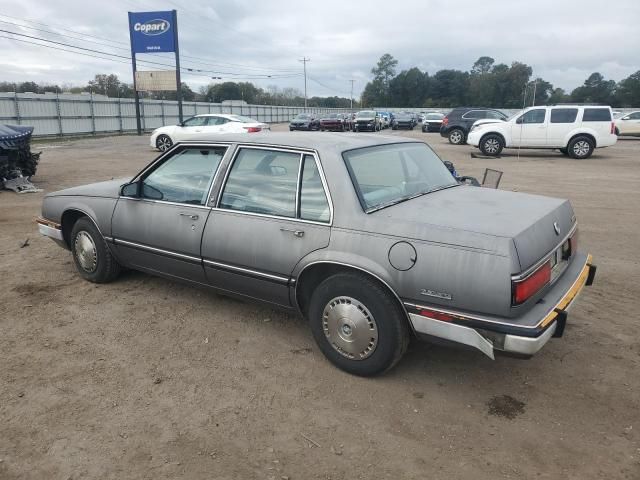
366,113
388,174
434,116
596,115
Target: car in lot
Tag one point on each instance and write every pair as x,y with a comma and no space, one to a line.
201,125
370,238
333,121
628,124
576,130
304,121
403,120
432,122
457,123
367,121
384,119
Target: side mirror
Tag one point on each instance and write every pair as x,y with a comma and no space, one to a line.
519,120
131,190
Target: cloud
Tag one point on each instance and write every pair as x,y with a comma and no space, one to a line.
563,41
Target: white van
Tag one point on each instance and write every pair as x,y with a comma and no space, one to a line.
576,130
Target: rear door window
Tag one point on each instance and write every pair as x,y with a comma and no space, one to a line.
564,115
596,115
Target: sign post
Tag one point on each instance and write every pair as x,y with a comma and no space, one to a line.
154,32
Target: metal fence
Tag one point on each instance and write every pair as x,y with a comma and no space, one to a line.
58,115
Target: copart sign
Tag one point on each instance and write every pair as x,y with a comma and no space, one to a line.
152,32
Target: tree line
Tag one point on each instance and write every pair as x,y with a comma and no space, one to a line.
488,84
111,86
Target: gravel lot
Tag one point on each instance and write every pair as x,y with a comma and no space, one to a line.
144,378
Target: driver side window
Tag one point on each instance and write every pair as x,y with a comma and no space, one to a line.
185,177
195,122
533,116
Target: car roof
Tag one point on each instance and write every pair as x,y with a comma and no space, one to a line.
326,142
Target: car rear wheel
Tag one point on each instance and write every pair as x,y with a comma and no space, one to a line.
91,254
580,147
456,136
358,324
164,142
491,145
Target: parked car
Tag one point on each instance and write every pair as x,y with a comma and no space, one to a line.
333,121
195,127
457,123
384,119
371,239
349,120
432,122
367,120
304,121
402,120
628,124
575,130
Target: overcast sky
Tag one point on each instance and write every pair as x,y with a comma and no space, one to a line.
563,40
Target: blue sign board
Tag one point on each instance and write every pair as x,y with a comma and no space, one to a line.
152,32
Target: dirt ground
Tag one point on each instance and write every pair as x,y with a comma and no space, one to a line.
144,378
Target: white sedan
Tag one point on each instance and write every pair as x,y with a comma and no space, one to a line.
198,128
628,124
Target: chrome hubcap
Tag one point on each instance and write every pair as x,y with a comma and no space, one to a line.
491,145
164,143
581,148
350,328
86,252
456,137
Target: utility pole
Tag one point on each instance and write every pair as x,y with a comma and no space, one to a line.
352,80
304,63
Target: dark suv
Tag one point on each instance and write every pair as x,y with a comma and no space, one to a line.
457,123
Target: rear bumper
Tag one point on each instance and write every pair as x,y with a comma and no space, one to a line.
511,335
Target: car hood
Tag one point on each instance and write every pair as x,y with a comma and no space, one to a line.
481,218
108,189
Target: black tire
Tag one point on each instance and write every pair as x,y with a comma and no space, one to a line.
580,147
491,145
392,330
617,132
164,142
103,268
424,130
394,128
456,136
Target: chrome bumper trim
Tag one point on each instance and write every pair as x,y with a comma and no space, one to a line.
451,331
528,345
51,232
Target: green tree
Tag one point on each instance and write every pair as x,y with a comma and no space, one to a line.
558,95
628,91
376,92
595,90
105,84
482,66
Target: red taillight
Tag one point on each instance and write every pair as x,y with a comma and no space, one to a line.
525,289
613,127
252,129
445,121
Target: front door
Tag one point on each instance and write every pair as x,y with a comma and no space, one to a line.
159,228
273,210
530,129
629,124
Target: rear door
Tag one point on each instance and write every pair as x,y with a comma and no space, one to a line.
562,120
273,209
530,129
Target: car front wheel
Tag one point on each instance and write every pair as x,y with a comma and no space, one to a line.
491,145
580,147
164,142
456,136
91,254
358,324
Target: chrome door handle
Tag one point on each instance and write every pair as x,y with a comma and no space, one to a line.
191,216
297,233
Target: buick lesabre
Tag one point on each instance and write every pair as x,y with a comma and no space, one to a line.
369,238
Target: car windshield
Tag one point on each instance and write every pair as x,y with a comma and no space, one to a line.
302,116
385,175
366,114
403,116
434,116
331,115
242,119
